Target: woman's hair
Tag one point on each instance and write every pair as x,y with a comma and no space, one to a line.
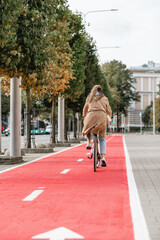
93,92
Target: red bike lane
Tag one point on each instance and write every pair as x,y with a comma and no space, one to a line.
60,197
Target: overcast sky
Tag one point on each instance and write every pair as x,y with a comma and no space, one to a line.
135,28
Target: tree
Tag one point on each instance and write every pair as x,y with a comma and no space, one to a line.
121,83
76,84
9,13
157,113
59,71
92,75
146,115
28,53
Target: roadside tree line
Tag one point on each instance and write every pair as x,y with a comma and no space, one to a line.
46,45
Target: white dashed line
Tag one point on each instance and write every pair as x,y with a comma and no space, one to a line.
108,139
80,160
33,195
65,171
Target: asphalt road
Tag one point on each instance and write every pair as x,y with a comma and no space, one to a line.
5,140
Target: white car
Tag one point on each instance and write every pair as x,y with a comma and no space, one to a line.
48,129
7,131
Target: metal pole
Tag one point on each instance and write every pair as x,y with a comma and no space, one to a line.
109,47
61,119
104,10
140,115
15,110
153,105
0,118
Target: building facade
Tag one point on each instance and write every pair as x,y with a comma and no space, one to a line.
147,81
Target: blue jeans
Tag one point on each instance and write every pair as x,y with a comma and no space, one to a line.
102,143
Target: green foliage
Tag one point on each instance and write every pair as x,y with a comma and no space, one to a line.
9,13
157,113
121,84
28,34
5,100
159,89
93,71
146,115
77,44
93,74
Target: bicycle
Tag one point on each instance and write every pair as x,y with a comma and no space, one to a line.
95,152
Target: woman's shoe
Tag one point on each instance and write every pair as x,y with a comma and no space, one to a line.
103,163
88,146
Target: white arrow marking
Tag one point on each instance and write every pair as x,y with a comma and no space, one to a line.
66,171
33,195
80,160
61,233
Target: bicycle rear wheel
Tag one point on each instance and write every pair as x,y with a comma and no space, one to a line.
95,153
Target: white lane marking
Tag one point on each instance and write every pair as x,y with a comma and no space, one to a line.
108,139
80,160
33,195
41,187
65,171
139,223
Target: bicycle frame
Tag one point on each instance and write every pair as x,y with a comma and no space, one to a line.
95,152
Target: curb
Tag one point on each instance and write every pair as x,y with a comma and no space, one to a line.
6,160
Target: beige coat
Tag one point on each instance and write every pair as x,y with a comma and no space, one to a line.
95,117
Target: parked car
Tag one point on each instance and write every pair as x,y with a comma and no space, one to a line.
49,129
7,131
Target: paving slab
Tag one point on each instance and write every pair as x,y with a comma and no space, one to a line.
144,152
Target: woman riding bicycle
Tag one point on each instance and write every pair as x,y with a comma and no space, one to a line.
94,111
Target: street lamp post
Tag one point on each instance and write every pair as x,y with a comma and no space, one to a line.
153,106
109,47
104,10
153,92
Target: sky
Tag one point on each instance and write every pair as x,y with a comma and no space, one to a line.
134,29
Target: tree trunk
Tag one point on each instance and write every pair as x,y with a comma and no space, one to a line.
53,120
28,120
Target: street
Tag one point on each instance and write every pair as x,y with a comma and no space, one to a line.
5,140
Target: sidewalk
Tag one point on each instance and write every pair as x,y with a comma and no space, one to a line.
144,152
33,156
